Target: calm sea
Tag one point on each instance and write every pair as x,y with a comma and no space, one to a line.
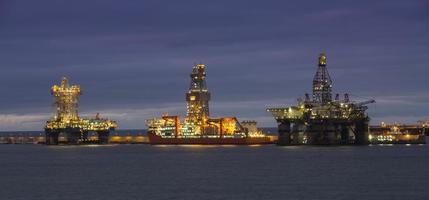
213,172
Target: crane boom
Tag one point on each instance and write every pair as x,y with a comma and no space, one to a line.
365,102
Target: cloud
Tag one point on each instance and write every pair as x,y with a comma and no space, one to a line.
27,122
132,56
402,109
134,118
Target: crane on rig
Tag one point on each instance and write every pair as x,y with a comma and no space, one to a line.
321,119
66,118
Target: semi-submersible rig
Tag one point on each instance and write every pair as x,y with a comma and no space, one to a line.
67,123
322,119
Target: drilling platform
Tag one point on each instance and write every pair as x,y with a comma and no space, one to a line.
198,127
66,120
322,119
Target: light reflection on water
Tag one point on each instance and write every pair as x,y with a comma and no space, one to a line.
196,146
80,146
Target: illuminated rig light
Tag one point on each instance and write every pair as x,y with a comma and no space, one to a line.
66,117
322,119
198,122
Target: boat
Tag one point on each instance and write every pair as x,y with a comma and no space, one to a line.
198,128
169,130
397,134
158,140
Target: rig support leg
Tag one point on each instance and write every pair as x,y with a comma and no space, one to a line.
284,134
362,132
84,136
345,134
73,137
51,138
103,137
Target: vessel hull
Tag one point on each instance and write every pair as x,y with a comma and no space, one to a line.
158,140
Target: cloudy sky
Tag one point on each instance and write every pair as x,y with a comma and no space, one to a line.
133,58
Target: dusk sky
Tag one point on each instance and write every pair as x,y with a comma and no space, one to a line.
133,58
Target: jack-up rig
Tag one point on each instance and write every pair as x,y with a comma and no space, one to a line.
66,120
198,127
321,119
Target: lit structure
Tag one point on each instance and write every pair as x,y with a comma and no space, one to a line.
66,118
250,127
397,134
322,83
66,101
425,124
321,119
197,99
198,127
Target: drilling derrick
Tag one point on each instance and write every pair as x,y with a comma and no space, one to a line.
198,98
198,127
66,120
322,84
66,101
323,120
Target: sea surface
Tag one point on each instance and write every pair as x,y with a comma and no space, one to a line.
214,172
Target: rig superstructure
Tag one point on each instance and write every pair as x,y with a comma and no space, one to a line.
198,127
322,119
66,118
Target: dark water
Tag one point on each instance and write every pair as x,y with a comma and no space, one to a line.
232,172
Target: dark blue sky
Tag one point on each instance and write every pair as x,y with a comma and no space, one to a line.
132,58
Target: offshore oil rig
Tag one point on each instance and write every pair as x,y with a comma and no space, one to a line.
323,119
198,127
67,123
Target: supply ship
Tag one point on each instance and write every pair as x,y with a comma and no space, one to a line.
198,127
397,134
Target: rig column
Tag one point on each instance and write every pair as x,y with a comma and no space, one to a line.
73,136
103,137
362,132
51,138
284,133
